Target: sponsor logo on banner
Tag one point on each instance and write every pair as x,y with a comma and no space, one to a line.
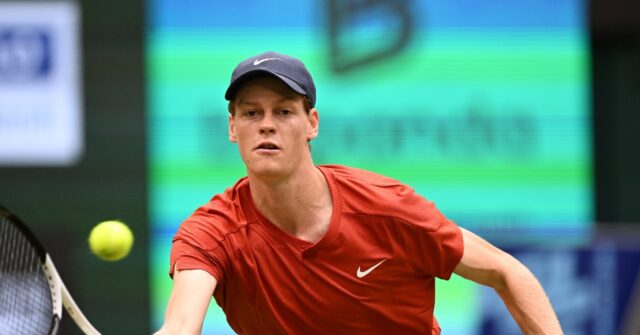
40,92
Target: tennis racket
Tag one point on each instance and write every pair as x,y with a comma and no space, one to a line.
31,291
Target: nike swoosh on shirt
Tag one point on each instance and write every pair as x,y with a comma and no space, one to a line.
361,274
258,61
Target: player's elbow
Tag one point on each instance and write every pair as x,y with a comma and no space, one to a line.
510,273
506,269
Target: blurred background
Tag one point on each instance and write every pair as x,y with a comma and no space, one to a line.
518,120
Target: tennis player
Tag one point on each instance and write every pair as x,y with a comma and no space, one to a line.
298,248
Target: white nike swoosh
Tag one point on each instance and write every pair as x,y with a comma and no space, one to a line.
361,274
258,61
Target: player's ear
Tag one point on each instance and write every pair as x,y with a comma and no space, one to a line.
232,127
313,124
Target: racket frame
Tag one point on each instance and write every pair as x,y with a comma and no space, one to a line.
60,296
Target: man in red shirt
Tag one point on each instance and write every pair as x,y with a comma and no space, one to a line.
295,248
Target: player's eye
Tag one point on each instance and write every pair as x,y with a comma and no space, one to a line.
286,112
249,113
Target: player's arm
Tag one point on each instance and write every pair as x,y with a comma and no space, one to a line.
520,291
188,303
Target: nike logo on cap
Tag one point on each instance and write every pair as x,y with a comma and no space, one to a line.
361,274
258,61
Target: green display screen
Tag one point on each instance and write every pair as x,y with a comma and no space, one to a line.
482,107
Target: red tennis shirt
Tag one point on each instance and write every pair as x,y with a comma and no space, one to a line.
372,273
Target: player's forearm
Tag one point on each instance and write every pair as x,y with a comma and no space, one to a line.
176,331
175,325
527,302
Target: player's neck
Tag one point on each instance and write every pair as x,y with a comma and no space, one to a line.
300,205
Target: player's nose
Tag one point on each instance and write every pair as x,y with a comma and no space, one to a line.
267,126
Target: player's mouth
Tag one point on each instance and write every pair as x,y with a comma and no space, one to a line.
267,148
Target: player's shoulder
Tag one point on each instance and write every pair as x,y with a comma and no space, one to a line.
220,216
364,178
371,194
368,192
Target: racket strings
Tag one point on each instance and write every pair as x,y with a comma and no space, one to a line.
25,296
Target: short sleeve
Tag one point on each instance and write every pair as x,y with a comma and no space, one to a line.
434,243
442,249
185,256
199,244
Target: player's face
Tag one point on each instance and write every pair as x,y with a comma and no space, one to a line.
272,127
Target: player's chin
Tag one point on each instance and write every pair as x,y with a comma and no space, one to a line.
268,169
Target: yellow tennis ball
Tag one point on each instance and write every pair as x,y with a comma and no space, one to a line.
111,240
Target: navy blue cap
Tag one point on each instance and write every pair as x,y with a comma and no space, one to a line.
286,68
